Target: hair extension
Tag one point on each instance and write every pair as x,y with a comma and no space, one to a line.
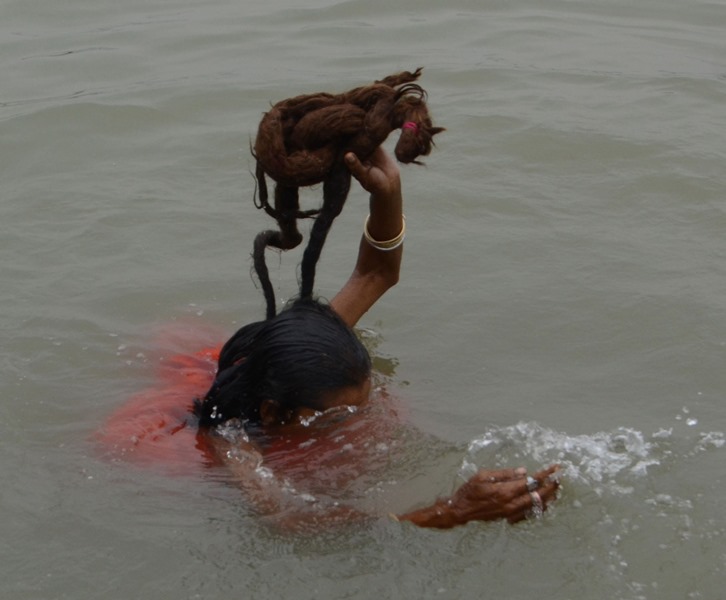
301,141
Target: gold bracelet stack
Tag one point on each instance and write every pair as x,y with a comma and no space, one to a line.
388,245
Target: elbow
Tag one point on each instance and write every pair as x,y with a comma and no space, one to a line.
378,282
390,279
388,273
391,269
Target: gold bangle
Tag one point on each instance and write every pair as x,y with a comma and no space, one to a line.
388,245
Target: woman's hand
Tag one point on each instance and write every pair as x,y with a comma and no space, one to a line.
505,494
378,175
375,271
492,495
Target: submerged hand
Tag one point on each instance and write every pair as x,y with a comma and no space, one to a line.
492,495
379,174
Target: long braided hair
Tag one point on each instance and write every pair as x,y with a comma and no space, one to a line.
307,349
301,141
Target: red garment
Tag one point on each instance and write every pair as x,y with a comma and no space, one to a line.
155,428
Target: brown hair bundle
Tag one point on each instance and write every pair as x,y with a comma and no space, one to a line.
301,141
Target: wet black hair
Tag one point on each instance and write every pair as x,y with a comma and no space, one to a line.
292,359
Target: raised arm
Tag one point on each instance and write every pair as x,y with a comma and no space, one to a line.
377,268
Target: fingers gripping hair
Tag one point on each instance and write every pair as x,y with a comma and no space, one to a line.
301,141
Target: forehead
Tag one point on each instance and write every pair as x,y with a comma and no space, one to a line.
347,396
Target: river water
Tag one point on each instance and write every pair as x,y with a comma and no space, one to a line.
563,297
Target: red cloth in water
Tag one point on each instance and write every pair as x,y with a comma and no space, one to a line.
155,428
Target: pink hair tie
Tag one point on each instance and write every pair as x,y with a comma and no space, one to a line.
410,125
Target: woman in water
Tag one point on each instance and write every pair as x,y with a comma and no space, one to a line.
276,376
291,414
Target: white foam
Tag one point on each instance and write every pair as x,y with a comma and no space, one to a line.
592,458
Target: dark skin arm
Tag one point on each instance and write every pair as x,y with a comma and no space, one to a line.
487,496
271,499
375,271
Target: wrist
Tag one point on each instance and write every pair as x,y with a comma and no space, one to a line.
386,216
441,515
385,245
387,194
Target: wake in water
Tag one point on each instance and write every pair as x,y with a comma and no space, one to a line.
605,462
630,501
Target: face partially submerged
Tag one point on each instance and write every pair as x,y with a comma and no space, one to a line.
306,356
272,414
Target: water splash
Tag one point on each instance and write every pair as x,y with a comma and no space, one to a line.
330,415
635,498
592,459
232,431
